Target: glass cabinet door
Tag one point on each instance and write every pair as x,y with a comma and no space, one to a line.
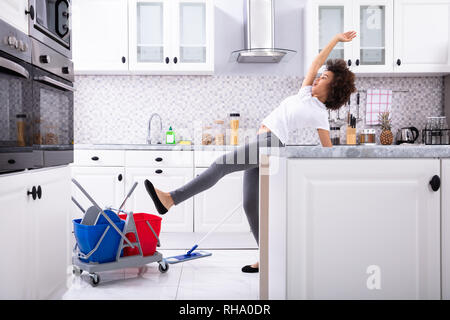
149,36
150,32
331,22
192,34
374,48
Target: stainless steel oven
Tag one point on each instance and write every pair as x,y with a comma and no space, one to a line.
16,100
50,23
52,106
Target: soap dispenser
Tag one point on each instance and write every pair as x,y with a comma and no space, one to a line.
170,136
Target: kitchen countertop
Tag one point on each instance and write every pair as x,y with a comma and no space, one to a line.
300,151
360,151
176,147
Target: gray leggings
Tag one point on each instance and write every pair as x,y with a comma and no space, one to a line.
244,157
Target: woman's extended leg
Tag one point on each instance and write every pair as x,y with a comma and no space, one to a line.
242,158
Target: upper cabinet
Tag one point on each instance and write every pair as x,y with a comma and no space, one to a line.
392,35
143,36
174,36
13,12
100,36
422,36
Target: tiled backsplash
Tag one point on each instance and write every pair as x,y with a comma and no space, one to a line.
116,109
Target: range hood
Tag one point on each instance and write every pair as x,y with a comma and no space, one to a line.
259,34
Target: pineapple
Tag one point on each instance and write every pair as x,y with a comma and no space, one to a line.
386,136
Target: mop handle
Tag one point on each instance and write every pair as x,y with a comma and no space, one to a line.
102,212
218,225
128,196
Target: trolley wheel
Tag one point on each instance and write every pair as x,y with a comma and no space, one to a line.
163,267
77,271
94,279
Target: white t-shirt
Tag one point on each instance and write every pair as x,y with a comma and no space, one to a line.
295,112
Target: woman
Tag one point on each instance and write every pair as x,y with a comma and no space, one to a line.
308,108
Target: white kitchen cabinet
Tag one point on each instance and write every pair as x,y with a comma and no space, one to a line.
445,228
362,229
323,20
100,36
422,36
34,233
391,37
104,184
180,217
13,12
15,269
212,205
372,48
51,213
171,37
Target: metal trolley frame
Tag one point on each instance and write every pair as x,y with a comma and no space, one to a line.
140,261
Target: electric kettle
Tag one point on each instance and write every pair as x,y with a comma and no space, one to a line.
407,135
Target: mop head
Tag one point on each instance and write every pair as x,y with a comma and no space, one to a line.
187,257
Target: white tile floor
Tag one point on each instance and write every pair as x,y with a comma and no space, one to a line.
216,277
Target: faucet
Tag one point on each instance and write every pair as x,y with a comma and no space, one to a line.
149,137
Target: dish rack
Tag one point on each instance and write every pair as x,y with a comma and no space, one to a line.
436,136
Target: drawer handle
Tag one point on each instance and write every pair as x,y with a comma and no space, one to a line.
159,159
120,177
11,161
158,171
435,183
33,193
95,158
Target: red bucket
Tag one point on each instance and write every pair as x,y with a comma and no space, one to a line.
147,239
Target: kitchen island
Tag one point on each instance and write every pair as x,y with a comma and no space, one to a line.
355,222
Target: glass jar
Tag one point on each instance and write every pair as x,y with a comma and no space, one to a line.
20,124
234,126
207,136
219,132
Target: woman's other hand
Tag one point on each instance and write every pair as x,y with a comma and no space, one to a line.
346,36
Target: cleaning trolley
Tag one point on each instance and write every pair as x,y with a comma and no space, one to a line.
109,239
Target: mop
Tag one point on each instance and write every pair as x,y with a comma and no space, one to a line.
191,255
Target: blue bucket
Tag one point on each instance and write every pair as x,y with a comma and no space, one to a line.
88,236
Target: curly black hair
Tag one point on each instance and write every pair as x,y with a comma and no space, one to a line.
342,85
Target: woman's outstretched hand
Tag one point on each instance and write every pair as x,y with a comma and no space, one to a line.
346,36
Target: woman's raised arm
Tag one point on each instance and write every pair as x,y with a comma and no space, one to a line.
323,56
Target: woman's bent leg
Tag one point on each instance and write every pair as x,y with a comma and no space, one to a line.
251,200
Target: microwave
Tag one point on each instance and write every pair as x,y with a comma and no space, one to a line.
50,23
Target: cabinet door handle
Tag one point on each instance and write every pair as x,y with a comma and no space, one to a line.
30,12
349,62
95,158
357,62
167,60
32,193
11,161
158,171
159,159
175,60
39,192
124,59
120,177
435,183
399,62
